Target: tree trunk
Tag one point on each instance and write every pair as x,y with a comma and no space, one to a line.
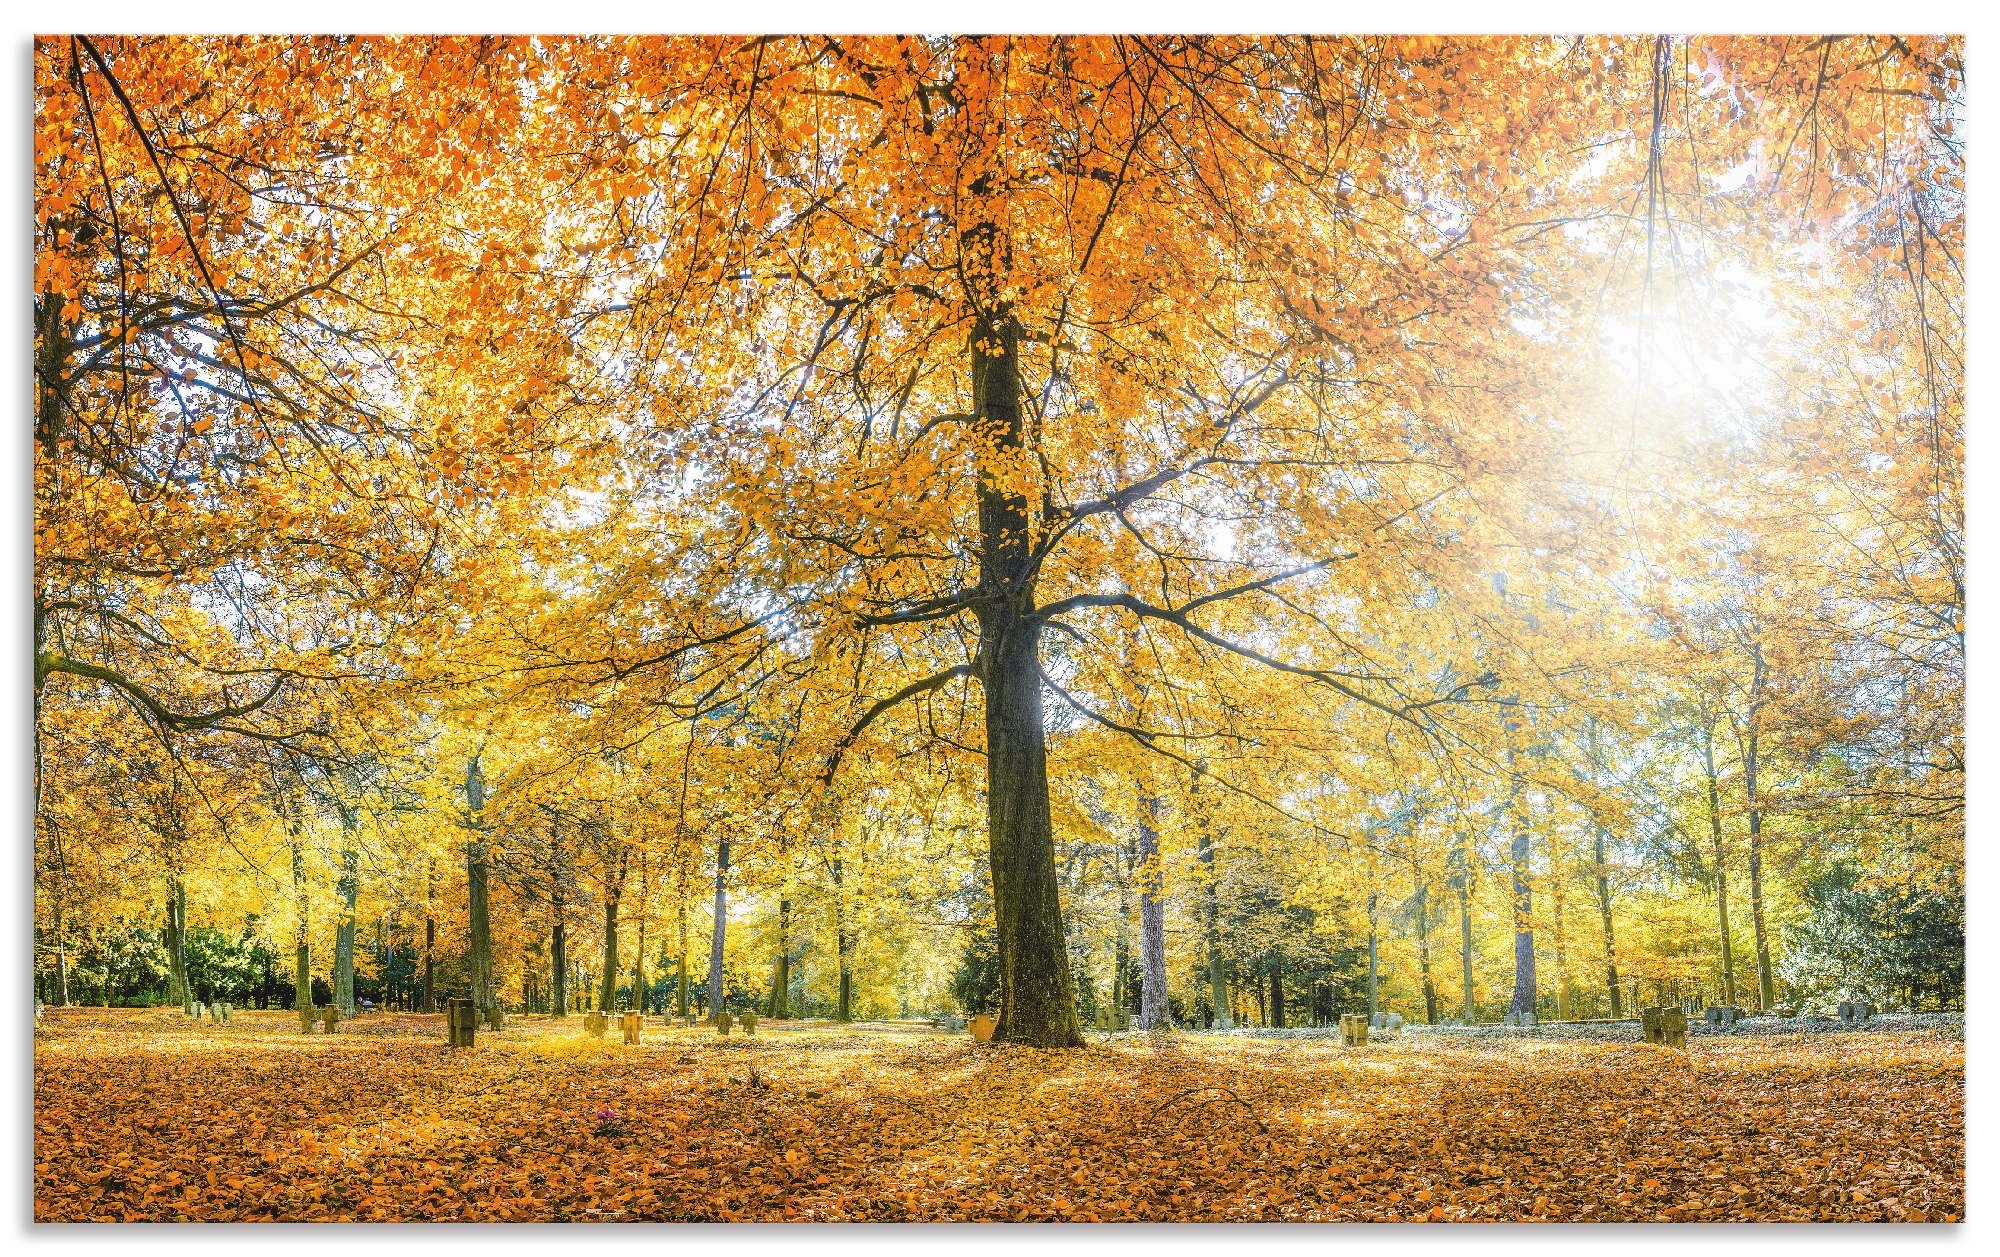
1423,910
1277,1015
607,990
1153,1008
1721,868
1465,948
721,928
559,956
1767,990
1037,998
175,938
780,1003
842,944
343,939
1211,927
485,997
681,954
301,945
1523,1001
1604,914
1374,960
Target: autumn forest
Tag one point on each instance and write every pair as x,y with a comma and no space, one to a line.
961,628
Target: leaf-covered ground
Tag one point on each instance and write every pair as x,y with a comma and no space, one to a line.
143,1115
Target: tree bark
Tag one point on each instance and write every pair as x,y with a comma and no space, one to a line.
1604,915
780,1003
721,927
343,939
1277,1014
1522,1002
175,938
607,989
1767,990
1211,925
842,944
1423,911
1721,866
302,1003
485,997
1153,1007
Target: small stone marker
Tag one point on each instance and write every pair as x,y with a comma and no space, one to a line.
1723,1016
982,1027
749,1021
1354,1029
329,1017
722,1023
593,1024
1666,1026
1858,1011
461,1021
630,1024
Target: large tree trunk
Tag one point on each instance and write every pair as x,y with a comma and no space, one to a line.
485,996
1037,999
1721,868
343,938
1153,1008
721,927
1277,1013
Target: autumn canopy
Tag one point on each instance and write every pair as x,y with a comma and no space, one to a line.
1195,530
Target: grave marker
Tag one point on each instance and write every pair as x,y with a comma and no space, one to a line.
461,1021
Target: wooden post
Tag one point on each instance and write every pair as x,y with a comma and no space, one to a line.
630,1024
461,1022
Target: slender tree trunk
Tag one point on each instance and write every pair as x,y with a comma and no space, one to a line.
1211,926
1466,1008
842,944
607,992
681,954
1604,915
1557,901
430,938
1374,959
1721,868
343,940
1523,1001
715,1000
1767,990
301,933
485,995
780,1005
175,938
559,955
639,991
1277,1016
1153,1008
1423,911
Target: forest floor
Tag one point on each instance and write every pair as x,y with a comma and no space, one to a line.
142,1114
